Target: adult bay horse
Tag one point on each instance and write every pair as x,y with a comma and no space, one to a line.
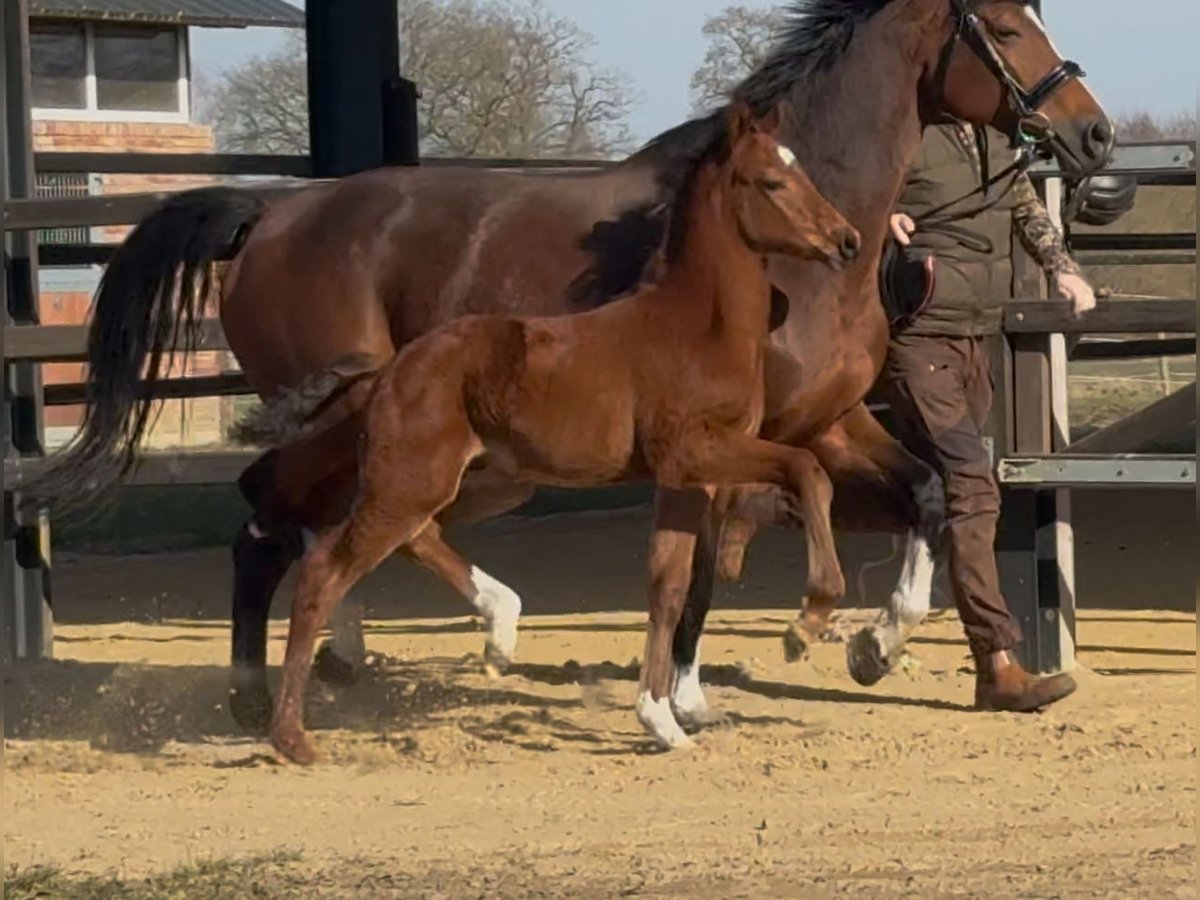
353,270
665,384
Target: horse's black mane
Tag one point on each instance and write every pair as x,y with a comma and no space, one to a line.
813,36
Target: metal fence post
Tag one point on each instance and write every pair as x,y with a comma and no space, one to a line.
28,623
354,85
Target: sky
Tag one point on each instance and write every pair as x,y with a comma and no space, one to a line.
1137,55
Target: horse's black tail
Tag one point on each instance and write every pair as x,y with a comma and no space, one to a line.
149,306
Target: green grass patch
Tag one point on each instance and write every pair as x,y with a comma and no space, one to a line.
271,876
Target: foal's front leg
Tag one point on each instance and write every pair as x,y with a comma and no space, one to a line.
678,517
806,494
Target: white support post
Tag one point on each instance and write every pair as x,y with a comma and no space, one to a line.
1062,541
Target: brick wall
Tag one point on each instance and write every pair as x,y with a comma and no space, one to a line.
182,422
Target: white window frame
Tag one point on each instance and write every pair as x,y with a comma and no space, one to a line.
92,113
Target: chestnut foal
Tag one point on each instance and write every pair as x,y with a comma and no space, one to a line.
666,384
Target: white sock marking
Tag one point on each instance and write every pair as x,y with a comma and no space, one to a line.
688,697
658,720
909,604
500,607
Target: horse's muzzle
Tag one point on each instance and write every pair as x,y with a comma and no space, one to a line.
849,246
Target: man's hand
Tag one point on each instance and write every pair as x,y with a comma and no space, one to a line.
902,226
1076,289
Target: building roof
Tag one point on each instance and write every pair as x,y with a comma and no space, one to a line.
211,13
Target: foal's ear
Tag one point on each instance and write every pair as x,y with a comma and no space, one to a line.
770,123
741,120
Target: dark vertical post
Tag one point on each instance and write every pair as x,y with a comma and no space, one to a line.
400,140
28,630
354,86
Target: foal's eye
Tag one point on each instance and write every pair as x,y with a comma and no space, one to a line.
771,184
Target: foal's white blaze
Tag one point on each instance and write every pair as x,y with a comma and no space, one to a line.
658,720
500,607
785,154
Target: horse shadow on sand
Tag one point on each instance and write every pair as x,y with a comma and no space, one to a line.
141,709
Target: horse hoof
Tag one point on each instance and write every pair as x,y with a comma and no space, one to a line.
866,659
495,660
251,709
795,644
658,720
333,670
501,647
294,745
832,635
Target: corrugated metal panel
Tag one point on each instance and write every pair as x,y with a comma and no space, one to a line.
213,13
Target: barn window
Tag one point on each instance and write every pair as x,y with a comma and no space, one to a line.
58,62
109,72
137,68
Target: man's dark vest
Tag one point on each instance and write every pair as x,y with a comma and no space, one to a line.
974,271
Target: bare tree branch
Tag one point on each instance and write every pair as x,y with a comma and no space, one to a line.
496,78
738,40
1143,126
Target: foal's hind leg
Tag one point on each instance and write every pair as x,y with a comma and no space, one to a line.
419,444
383,520
332,566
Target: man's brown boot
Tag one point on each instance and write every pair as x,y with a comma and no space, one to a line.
1002,685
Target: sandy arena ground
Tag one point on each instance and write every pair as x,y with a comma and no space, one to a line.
438,782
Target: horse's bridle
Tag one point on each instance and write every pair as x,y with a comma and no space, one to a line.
1034,133
1027,103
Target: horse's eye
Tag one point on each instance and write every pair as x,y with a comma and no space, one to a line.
771,184
1004,34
